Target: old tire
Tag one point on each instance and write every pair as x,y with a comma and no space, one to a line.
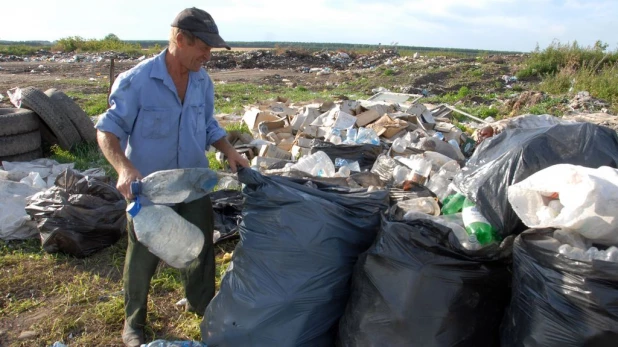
65,133
76,115
15,121
36,154
20,143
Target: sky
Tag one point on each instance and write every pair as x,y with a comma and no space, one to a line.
505,25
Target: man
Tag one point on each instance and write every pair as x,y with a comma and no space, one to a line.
161,117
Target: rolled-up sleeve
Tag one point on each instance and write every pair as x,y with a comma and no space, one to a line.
214,131
121,115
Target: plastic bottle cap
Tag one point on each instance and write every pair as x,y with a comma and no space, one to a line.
134,207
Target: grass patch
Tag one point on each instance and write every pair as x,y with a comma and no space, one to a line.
92,104
549,106
21,49
85,156
389,72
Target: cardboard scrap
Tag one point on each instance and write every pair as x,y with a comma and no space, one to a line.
388,127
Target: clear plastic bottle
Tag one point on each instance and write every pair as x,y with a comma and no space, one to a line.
400,145
423,205
316,164
166,234
178,185
400,174
572,252
439,182
476,224
611,254
571,238
351,134
383,167
367,135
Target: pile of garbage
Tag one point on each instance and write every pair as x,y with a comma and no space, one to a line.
70,57
536,196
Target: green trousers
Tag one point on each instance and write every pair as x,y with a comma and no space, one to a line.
198,278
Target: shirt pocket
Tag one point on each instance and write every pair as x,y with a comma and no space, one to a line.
198,113
157,123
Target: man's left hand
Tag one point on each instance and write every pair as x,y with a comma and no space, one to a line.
235,160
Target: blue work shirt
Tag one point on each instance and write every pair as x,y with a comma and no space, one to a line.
157,130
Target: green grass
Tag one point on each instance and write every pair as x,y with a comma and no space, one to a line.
92,104
572,56
109,43
21,49
85,156
450,98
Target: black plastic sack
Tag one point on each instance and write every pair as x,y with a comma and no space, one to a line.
515,154
227,208
79,216
289,279
414,287
365,154
557,301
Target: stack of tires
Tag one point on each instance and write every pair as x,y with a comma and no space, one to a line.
51,118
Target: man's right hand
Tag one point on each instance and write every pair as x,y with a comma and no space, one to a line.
125,177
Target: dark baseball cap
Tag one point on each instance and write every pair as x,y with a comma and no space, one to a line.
200,23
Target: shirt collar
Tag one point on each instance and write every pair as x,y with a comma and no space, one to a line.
159,70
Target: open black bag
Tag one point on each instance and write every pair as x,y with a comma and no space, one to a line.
364,154
558,301
415,287
79,216
289,279
515,154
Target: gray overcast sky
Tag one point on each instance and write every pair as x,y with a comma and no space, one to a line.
516,25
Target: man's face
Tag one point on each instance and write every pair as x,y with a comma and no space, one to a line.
196,54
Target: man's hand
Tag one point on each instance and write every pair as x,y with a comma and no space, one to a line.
125,177
236,160
233,157
127,173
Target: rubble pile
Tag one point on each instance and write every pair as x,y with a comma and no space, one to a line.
60,57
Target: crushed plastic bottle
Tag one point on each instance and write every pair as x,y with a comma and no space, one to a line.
400,145
571,238
317,164
351,165
427,206
367,135
439,182
400,174
572,252
383,167
178,185
350,138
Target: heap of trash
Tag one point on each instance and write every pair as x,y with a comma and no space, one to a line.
384,222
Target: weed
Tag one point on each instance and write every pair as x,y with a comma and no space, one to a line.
571,56
388,72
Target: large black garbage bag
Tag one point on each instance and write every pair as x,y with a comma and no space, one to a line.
79,216
557,301
515,154
365,154
227,208
289,279
415,287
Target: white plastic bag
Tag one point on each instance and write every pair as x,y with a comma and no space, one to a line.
14,221
589,198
